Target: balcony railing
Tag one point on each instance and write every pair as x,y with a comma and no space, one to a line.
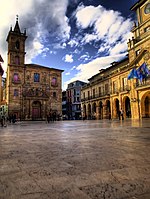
16,81
106,93
145,82
125,88
114,91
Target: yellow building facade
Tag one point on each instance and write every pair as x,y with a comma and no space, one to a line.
32,90
1,74
110,90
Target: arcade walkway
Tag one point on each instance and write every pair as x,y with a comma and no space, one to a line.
75,160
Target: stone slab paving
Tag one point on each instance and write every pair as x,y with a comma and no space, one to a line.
75,160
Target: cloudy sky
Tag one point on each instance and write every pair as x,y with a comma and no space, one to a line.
78,36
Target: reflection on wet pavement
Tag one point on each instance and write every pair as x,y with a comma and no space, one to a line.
92,159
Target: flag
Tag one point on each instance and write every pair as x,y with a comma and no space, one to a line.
132,74
143,72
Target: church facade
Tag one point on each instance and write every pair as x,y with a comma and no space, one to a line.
32,91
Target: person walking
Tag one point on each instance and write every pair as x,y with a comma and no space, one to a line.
109,115
121,114
2,120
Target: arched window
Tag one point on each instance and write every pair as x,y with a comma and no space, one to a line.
17,60
17,45
16,77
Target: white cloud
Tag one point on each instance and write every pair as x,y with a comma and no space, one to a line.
86,16
85,57
85,71
68,58
42,18
68,73
106,26
53,52
74,67
118,48
73,43
89,37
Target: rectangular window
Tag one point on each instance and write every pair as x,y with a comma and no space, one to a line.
106,88
114,86
17,60
99,91
124,82
16,77
54,94
54,81
137,52
94,92
88,94
36,77
16,93
77,92
147,29
84,95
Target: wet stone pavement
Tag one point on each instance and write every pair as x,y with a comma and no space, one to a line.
75,160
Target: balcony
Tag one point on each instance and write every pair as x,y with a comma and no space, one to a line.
125,88
114,91
142,85
16,81
96,96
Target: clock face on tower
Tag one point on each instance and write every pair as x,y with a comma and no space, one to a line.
147,9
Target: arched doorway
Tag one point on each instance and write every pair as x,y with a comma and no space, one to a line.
127,107
116,108
36,110
145,105
89,111
100,110
84,111
108,109
94,111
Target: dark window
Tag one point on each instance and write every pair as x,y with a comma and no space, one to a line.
137,52
93,92
17,45
17,60
147,29
54,81
54,94
36,77
84,95
16,77
15,92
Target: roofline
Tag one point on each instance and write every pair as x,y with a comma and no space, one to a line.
46,67
110,67
137,4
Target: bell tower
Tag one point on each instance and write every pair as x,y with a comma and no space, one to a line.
16,46
15,69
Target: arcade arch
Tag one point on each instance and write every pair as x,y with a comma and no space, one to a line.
145,105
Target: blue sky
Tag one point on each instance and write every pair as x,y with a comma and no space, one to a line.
79,36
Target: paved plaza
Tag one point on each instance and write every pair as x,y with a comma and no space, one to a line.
92,159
